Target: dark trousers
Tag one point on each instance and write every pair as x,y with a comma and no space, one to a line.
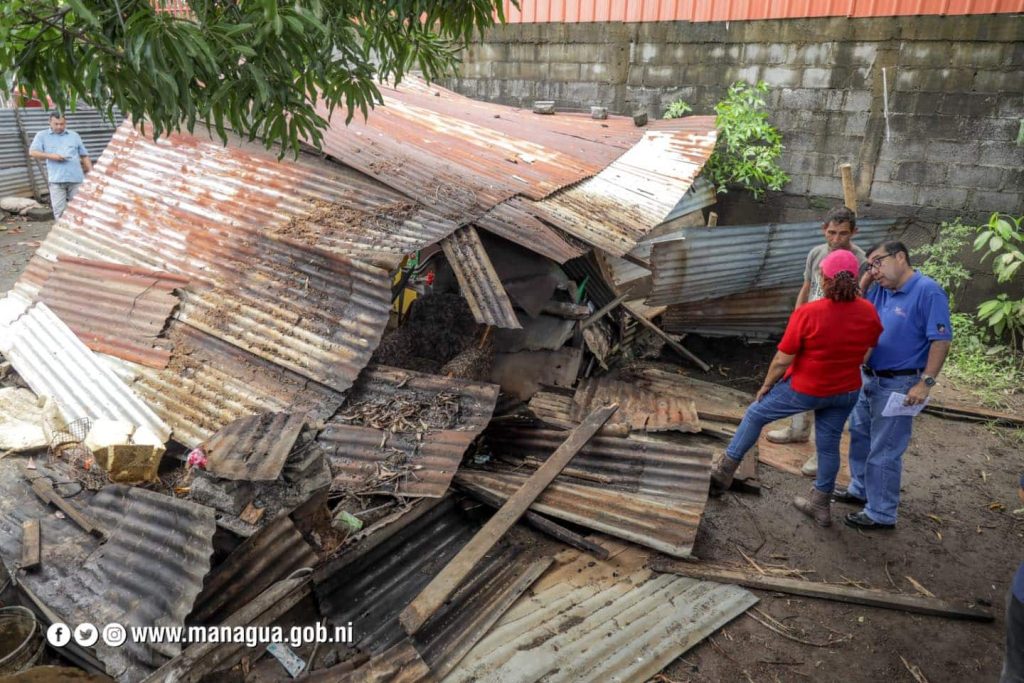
1013,664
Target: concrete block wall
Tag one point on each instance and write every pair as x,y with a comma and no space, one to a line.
954,87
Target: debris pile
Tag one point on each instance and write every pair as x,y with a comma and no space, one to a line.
299,400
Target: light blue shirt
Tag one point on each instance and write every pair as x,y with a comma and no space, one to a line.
68,145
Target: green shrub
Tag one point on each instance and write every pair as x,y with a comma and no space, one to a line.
677,109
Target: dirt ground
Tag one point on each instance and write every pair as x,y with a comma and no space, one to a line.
956,535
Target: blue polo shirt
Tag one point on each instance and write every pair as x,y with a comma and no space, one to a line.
67,144
912,318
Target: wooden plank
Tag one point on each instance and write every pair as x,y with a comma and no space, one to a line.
605,310
849,193
30,544
973,414
445,583
44,489
676,346
541,523
810,589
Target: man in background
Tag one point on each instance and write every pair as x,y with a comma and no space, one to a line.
67,161
839,227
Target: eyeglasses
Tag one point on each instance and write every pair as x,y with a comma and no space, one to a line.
875,264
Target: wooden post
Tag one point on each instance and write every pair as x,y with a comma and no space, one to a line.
712,219
849,192
448,579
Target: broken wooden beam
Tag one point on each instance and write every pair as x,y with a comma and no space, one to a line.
605,310
30,544
565,309
822,591
447,580
676,346
541,523
44,489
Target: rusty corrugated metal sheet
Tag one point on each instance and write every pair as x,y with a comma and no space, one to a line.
268,556
693,264
201,210
253,448
648,491
571,11
114,309
553,409
147,573
403,432
639,408
210,383
478,280
513,221
616,208
586,620
714,401
54,362
372,591
760,314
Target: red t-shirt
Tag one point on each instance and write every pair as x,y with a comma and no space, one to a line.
829,340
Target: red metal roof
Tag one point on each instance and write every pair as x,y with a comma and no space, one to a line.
582,11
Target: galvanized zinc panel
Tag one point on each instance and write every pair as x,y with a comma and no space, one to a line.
253,448
694,264
759,314
478,280
54,362
599,621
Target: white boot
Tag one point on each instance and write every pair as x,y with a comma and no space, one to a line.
798,431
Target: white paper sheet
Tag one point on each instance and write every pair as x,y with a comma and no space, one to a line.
894,406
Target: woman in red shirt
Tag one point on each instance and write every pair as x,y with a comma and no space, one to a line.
817,367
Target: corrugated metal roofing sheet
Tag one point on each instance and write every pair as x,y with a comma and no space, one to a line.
600,621
707,263
210,383
714,401
54,362
478,280
639,409
553,409
372,591
567,11
651,492
513,221
403,432
759,314
114,309
617,207
270,555
253,448
148,572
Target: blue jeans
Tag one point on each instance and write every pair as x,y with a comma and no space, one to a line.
830,413
876,447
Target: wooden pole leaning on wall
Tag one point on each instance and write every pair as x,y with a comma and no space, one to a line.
849,192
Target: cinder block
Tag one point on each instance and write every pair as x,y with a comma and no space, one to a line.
924,54
893,193
522,52
1010,106
594,72
943,197
857,100
816,78
751,74
797,184
987,55
801,98
777,53
491,52
825,187
647,53
754,53
960,151
563,71
1005,202
812,54
901,148
856,123
661,76
971,176
995,153
782,77
921,173
555,52
999,81
996,129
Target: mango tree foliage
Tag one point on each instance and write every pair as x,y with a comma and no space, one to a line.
257,67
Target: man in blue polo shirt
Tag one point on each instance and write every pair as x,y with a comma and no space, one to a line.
67,161
914,311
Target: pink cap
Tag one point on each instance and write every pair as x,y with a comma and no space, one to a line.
839,261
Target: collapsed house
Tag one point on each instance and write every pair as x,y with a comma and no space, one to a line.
299,387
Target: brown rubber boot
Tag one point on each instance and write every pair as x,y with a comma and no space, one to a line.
721,475
818,508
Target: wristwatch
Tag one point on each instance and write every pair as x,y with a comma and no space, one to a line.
928,380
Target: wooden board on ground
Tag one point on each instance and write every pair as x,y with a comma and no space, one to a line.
790,457
825,591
